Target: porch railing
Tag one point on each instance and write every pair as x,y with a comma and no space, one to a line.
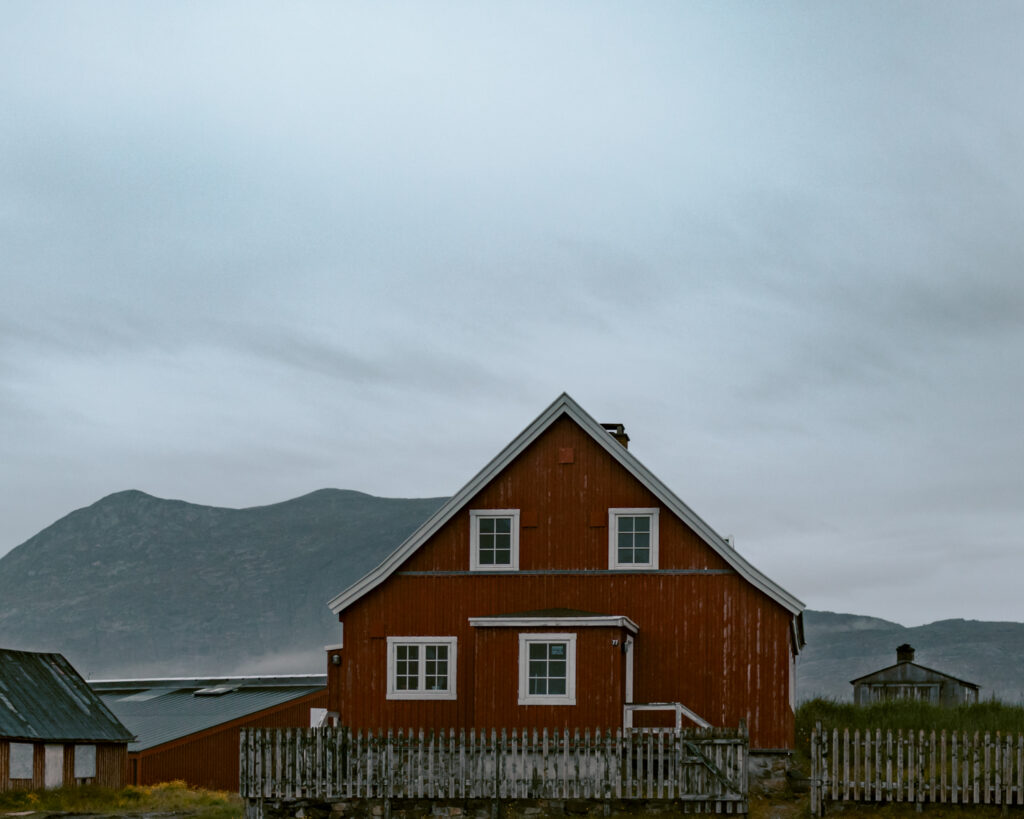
698,765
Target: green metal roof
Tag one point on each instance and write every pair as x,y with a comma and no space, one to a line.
42,697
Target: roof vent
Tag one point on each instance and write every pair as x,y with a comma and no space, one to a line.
905,653
214,691
618,432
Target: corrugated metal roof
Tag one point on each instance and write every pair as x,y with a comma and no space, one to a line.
42,697
161,710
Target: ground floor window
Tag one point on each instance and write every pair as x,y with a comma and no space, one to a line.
85,762
421,668
20,765
547,669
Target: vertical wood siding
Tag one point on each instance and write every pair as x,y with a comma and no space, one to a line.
111,766
209,759
707,637
600,681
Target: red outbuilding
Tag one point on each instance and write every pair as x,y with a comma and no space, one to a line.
565,586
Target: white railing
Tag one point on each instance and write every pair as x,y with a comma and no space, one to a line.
677,708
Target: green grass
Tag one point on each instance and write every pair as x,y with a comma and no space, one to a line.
167,797
989,716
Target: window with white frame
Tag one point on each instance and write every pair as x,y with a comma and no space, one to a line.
494,539
547,669
421,668
85,761
632,538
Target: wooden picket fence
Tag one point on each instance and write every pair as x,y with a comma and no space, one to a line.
882,765
705,767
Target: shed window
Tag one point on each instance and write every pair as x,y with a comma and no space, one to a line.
85,762
421,668
632,538
494,540
547,669
21,760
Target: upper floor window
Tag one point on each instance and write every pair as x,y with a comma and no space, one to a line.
494,539
547,669
632,538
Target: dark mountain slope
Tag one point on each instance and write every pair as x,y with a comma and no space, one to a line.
135,585
139,585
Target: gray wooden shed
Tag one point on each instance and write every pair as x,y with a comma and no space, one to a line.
54,731
909,681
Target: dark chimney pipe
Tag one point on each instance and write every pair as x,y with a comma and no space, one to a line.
905,653
618,432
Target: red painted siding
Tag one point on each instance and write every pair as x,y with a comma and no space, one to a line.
600,681
707,638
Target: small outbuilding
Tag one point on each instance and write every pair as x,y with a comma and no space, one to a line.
54,731
909,681
188,728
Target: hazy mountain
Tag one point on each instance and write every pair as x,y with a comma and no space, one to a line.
137,585
841,647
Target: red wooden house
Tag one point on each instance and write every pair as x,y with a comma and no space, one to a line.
566,586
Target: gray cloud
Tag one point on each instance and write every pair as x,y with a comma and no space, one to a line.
249,252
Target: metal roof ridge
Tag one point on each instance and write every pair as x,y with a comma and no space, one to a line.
142,682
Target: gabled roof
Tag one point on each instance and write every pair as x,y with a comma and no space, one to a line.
42,697
161,710
564,405
888,668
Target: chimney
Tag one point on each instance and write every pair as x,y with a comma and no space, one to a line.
905,653
618,432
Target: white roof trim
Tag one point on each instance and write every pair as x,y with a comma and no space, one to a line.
564,405
600,620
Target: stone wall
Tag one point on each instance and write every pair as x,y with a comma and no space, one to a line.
474,808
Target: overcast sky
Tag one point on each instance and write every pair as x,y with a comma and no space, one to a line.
252,250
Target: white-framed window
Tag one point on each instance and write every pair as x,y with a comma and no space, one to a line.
547,669
20,764
422,668
85,761
494,540
632,538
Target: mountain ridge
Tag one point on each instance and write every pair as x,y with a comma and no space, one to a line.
136,585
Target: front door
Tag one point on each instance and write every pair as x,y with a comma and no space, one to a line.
53,772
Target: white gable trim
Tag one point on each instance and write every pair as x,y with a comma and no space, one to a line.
563,405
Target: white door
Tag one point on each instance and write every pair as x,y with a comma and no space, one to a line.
53,773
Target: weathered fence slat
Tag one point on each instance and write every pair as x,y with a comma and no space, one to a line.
954,767
702,767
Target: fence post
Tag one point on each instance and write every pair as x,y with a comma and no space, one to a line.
815,772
